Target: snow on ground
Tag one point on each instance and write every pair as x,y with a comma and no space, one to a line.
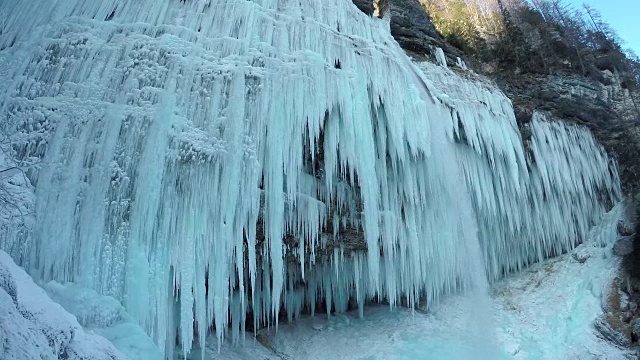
106,317
34,327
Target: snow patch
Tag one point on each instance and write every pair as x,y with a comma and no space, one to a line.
32,326
106,317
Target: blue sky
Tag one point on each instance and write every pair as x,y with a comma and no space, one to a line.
622,15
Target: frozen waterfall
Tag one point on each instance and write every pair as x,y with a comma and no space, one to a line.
215,162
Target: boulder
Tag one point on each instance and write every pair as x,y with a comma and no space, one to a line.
611,334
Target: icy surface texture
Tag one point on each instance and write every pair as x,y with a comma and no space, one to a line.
201,160
106,317
16,204
32,326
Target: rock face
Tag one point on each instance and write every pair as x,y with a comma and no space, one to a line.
623,246
366,6
412,28
635,329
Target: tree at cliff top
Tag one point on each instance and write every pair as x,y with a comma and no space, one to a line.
464,25
540,36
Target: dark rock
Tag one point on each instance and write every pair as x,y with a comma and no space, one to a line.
635,329
410,26
602,106
611,334
627,316
623,246
366,6
414,31
598,101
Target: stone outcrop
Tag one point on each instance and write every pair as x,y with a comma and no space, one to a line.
599,101
366,6
412,28
612,334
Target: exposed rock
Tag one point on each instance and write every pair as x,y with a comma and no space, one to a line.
635,329
611,334
623,246
627,316
381,7
411,27
598,100
614,325
366,6
414,31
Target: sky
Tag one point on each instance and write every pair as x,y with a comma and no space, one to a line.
622,15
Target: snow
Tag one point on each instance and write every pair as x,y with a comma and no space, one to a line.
169,135
104,316
32,326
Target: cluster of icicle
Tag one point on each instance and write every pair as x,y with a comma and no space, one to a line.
203,159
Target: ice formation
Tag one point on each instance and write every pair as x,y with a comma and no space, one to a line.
202,160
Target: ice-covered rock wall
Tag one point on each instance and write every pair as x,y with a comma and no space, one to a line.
202,160
527,213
